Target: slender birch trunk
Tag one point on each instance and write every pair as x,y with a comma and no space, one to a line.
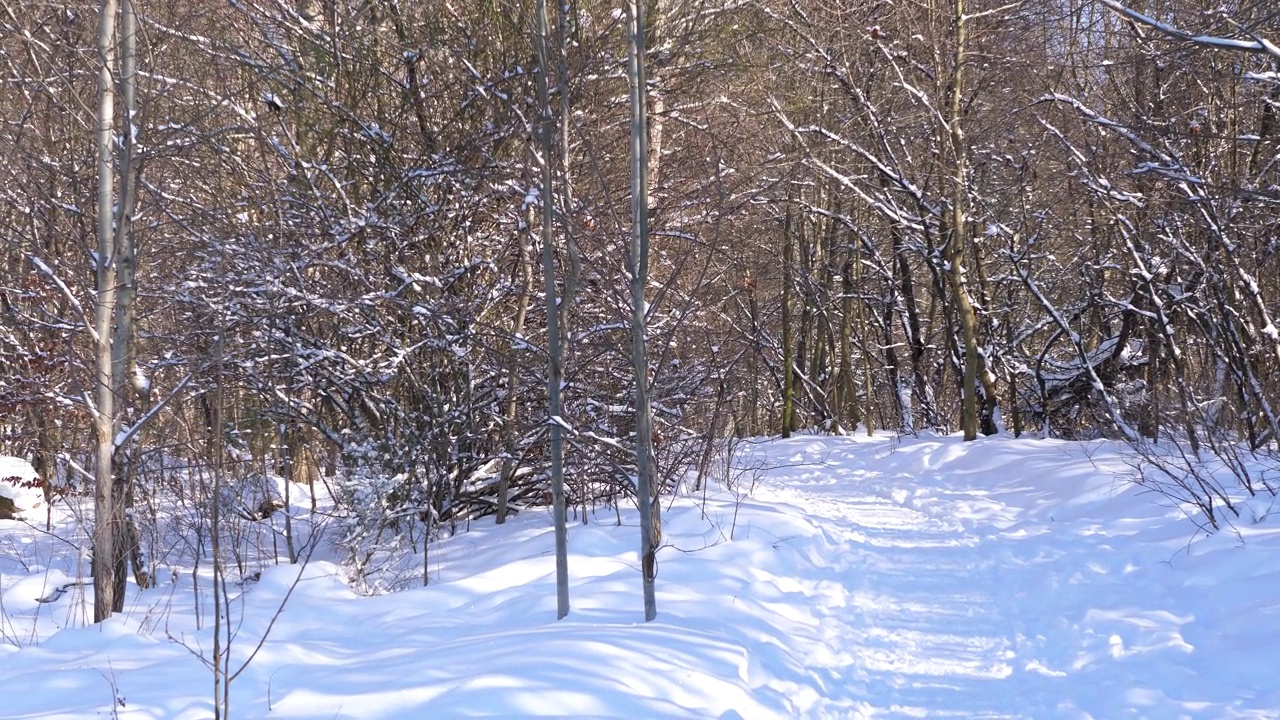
106,531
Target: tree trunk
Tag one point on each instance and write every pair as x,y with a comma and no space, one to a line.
510,464
846,394
555,372
124,373
106,531
864,331
921,390
639,262
788,341
956,246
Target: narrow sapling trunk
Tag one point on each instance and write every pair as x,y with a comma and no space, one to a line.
867,358
125,381
788,333
555,373
511,463
639,271
846,394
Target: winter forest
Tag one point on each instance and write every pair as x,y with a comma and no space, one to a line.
443,264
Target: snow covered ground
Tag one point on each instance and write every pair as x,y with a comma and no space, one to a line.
835,578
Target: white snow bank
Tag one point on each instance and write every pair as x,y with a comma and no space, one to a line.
14,474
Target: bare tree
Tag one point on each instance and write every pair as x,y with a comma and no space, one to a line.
108,507
555,355
639,270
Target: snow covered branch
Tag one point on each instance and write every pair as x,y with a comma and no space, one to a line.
122,438
66,292
1256,45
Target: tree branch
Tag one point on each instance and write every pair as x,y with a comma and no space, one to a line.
1257,45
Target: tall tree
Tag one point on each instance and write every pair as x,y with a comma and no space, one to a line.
957,245
555,356
639,270
107,515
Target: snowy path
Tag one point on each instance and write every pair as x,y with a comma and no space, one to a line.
920,623
920,618
993,582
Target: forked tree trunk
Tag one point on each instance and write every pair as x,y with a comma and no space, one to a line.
957,245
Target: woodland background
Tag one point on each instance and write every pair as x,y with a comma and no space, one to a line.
859,211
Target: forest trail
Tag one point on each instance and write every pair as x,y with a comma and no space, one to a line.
1003,579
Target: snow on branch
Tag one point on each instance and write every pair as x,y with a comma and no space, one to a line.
1088,362
1119,128
1256,45
66,292
126,434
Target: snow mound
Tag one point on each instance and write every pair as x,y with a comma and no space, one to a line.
17,487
